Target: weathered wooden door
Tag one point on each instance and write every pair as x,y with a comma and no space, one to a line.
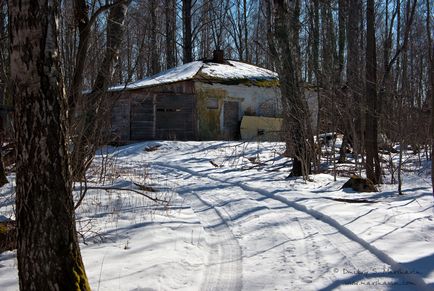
142,119
175,117
231,126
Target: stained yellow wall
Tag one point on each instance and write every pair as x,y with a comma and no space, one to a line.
271,127
252,100
209,119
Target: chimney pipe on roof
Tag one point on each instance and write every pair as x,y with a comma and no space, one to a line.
218,56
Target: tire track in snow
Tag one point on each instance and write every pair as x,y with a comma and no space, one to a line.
353,243
224,267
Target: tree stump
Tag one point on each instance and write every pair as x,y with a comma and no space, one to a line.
359,184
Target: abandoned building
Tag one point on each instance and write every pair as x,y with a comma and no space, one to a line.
201,100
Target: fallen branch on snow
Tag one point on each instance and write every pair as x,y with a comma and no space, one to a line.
131,190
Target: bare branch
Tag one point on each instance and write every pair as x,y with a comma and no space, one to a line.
131,190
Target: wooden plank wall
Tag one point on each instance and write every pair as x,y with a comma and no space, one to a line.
162,112
175,117
120,120
142,121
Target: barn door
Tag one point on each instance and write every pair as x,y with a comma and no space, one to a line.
175,117
231,127
142,119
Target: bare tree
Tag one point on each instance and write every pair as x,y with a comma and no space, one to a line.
187,38
431,76
94,107
170,14
4,60
239,28
48,252
84,24
219,14
155,62
373,169
285,50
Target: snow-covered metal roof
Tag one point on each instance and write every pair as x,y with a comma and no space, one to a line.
230,70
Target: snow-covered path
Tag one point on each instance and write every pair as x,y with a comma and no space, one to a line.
236,223
268,236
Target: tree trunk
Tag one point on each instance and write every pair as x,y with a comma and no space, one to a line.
3,79
187,47
431,78
246,33
205,32
353,75
170,13
341,44
48,252
3,49
295,112
82,22
373,169
155,62
94,106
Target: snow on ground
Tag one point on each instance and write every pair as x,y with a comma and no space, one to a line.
238,223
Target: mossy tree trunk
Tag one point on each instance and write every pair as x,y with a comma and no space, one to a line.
47,247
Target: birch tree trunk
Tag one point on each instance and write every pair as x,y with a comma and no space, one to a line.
48,252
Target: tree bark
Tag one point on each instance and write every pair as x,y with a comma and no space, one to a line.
373,169
341,33
187,40
155,62
296,115
246,32
82,22
170,13
3,79
431,78
353,73
48,252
